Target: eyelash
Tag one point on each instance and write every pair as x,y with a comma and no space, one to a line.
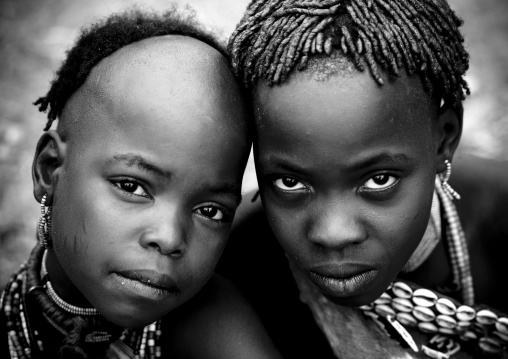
226,213
380,189
118,184
363,187
281,179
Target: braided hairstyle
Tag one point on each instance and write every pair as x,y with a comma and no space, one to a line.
104,38
421,36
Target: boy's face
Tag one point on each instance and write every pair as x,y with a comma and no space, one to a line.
151,178
346,173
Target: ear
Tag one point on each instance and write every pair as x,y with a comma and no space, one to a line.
449,130
47,165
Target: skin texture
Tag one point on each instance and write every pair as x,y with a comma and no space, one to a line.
346,172
143,183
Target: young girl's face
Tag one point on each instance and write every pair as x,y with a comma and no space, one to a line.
148,187
346,170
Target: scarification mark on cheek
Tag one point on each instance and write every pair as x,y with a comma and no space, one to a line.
84,226
75,243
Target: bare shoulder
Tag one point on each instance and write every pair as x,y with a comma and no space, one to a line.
217,323
483,210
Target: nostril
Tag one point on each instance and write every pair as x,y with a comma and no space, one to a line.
154,245
177,253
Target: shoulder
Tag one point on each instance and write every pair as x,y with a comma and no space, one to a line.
217,323
483,211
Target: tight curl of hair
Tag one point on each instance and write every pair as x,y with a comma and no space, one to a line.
103,38
275,37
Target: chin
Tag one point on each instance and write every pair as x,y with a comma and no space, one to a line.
131,319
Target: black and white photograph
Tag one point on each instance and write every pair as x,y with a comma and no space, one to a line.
253,179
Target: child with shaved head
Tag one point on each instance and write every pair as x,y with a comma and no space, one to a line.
138,187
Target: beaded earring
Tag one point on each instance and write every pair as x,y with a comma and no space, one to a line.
45,224
448,190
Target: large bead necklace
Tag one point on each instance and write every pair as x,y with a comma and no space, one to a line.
25,340
481,330
453,326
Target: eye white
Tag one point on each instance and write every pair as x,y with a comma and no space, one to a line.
132,188
380,182
288,184
211,212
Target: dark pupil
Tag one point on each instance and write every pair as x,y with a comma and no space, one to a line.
381,179
289,182
209,211
129,186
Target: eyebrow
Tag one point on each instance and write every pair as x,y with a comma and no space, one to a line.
229,189
131,159
384,157
284,164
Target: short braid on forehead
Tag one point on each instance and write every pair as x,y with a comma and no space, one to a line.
103,38
277,37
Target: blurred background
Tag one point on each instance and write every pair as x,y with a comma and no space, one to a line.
34,35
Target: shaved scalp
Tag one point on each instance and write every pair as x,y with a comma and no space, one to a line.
276,38
175,63
104,38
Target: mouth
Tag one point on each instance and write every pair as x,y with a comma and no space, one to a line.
342,281
147,283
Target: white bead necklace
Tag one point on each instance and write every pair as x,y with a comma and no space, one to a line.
59,301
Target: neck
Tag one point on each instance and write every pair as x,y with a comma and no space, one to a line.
435,272
61,283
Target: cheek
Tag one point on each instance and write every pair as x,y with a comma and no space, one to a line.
288,228
403,226
87,223
203,255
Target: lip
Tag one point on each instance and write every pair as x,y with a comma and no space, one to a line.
147,283
341,280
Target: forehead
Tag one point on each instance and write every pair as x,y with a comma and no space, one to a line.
344,114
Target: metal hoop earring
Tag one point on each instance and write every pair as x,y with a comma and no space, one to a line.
45,224
448,190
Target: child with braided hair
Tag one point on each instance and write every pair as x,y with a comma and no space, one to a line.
138,186
358,113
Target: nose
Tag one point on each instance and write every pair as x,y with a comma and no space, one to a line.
166,234
336,225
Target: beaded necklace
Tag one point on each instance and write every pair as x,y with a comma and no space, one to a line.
25,340
480,330
56,298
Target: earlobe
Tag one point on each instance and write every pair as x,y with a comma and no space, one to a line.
49,156
450,130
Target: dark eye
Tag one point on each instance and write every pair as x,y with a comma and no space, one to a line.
288,184
211,212
380,181
131,187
